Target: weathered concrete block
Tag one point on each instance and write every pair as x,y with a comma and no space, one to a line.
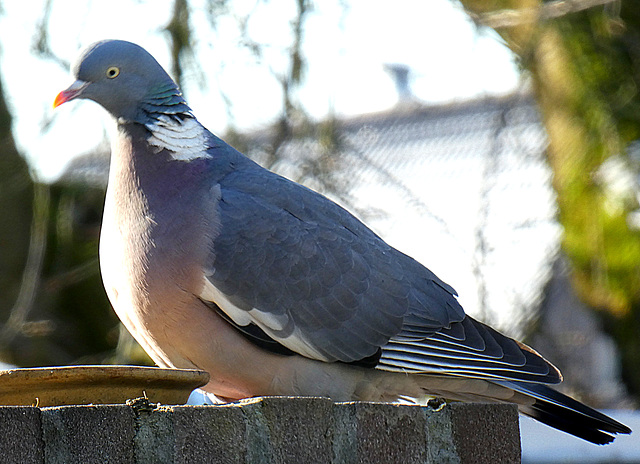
89,434
485,432
263,430
289,429
21,435
154,434
209,434
380,433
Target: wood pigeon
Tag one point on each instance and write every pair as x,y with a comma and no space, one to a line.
216,263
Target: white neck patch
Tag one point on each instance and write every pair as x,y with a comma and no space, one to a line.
185,140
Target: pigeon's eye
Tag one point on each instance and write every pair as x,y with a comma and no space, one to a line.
112,72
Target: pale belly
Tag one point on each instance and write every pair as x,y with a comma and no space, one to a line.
157,303
123,267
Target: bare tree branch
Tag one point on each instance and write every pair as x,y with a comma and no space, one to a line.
33,267
179,31
41,45
291,109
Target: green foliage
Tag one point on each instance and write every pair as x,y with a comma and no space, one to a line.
604,250
585,66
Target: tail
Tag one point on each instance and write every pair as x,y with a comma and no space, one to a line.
536,400
564,413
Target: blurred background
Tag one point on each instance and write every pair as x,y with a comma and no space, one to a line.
497,142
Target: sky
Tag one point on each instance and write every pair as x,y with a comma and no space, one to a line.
346,50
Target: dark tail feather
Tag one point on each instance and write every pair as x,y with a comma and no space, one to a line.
564,413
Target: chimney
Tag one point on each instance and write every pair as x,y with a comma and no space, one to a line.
400,75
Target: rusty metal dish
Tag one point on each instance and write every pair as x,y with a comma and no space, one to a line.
108,384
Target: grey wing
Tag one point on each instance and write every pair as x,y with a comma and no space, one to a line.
316,280
312,276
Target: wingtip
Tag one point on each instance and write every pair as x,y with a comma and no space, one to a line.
554,376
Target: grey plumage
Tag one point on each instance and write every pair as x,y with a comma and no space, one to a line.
213,262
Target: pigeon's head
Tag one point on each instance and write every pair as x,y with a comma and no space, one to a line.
125,79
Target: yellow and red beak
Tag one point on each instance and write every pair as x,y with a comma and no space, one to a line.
74,91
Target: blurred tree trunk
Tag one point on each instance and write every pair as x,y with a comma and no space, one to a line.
16,199
584,60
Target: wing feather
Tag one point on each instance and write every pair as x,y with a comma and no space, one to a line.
286,251
316,280
467,348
